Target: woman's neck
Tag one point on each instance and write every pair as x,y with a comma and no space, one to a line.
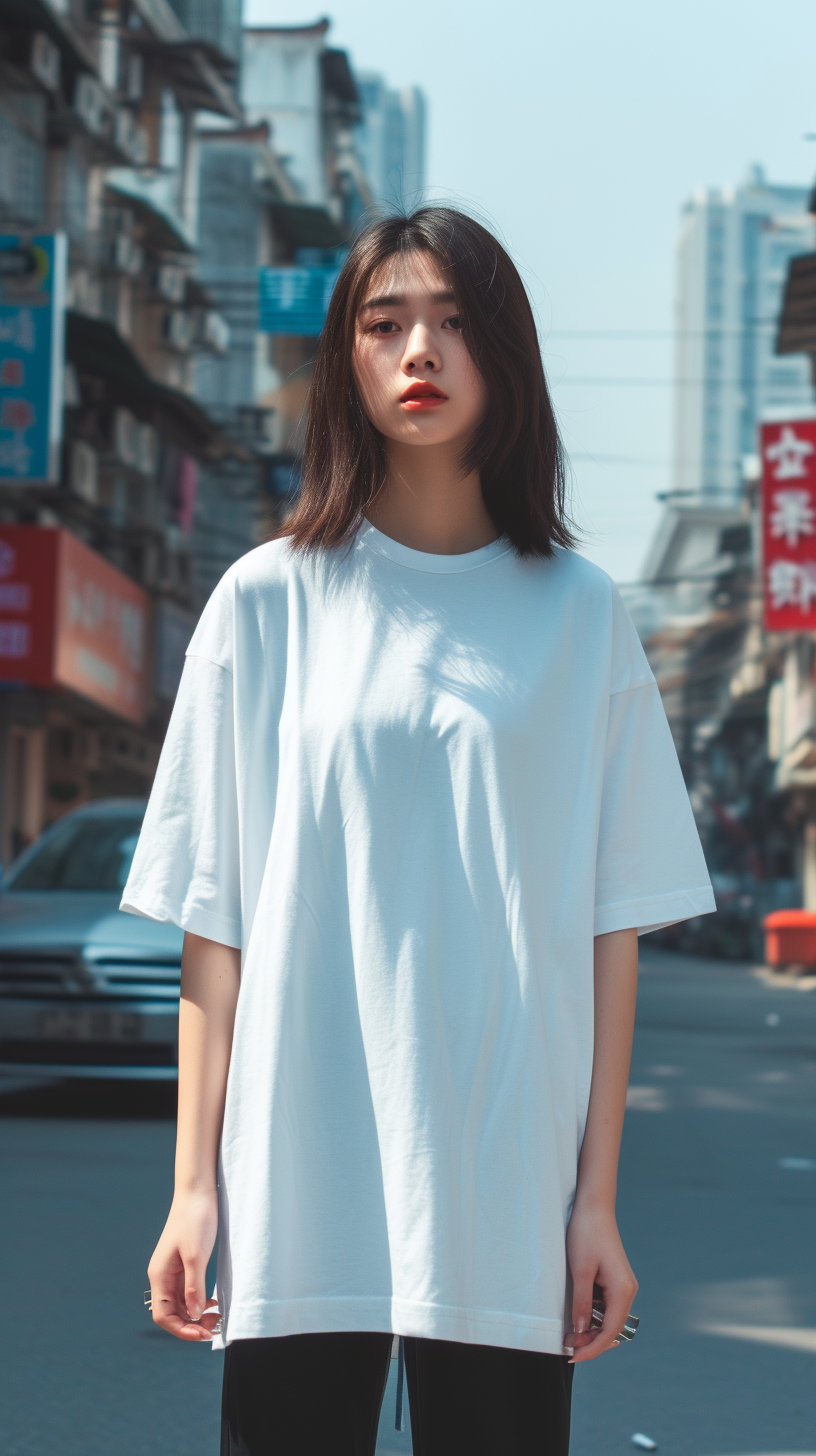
427,504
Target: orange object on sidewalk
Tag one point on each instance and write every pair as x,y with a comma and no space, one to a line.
790,938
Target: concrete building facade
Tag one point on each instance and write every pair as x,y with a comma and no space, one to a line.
732,258
305,91
97,111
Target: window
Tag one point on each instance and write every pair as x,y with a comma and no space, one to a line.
83,852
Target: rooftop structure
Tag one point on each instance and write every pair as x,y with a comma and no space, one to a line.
306,92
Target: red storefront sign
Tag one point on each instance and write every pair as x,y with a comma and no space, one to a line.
789,525
68,619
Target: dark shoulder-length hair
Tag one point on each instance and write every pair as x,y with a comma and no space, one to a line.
516,447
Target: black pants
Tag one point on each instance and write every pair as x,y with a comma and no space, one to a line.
320,1395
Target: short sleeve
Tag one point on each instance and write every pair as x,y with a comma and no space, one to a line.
650,869
186,868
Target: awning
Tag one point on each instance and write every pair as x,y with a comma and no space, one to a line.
338,77
304,226
197,296
797,321
161,19
38,15
95,347
200,71
160,231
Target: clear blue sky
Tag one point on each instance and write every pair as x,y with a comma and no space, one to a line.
577,129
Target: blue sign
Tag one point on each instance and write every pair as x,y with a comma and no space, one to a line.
32,349
295,300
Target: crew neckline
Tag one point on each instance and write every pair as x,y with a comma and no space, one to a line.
429,560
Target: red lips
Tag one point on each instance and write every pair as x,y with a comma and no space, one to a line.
421,394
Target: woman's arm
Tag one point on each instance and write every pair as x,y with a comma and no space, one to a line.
594,1248
210,977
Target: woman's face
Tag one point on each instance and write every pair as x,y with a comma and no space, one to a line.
417,382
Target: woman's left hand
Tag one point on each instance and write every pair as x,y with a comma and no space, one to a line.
596,1256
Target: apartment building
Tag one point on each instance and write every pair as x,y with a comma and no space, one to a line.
98,152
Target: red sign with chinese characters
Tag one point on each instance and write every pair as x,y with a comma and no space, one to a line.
789,525
68,619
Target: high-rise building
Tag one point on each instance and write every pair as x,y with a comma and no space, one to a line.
391,140
248,208
733,254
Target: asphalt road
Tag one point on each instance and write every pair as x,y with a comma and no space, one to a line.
717,1208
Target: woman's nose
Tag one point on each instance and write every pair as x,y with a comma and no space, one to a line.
420,352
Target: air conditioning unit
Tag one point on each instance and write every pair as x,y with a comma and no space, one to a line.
129,137
89,104
138,146
176,329
134,77
84,292
108,50
123,124
171,282
45,60
216,332
71,392
126,254
126,436
146,449
84,471
119,252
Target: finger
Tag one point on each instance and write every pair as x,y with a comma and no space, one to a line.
183,1328
166,1295
210,1317
583,1281
618,1303
170,1314
617,1300
195,1286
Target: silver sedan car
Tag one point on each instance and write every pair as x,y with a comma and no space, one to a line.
85,991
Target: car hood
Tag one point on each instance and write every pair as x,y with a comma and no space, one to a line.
86,920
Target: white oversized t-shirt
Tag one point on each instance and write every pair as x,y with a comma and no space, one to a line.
411,788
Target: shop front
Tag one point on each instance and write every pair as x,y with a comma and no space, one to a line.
76,717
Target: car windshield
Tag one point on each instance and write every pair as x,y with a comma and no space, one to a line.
88,853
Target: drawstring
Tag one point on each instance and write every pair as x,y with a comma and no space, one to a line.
399,1423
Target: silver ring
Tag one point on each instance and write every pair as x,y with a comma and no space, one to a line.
630,1325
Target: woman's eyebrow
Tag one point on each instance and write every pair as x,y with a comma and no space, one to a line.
397,300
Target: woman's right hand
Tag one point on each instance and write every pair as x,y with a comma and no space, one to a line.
178,1268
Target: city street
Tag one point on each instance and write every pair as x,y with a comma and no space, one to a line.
717,1208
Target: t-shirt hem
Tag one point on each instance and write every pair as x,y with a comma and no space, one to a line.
655,911
264,1319
192,918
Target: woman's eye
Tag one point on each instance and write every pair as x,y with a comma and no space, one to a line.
385,326
455,322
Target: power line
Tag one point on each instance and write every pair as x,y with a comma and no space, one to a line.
652,463
597,381
715,330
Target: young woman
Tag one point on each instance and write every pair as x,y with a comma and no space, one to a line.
417,799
